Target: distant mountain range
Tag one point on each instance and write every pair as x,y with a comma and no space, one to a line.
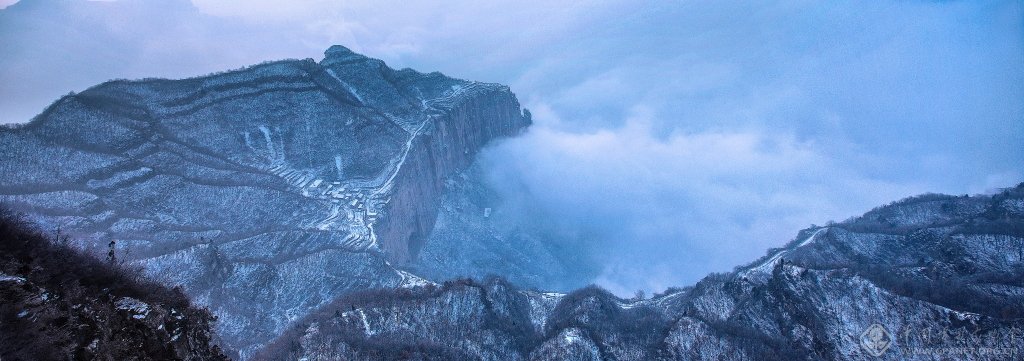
328,210
927,278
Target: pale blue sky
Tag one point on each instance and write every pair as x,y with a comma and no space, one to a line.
682,137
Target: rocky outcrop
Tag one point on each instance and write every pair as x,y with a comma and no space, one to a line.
266,191
927,278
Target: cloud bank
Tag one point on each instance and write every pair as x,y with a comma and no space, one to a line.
658,210
673,139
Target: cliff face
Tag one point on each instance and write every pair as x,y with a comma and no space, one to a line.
446,146
265,191
477,235
927,278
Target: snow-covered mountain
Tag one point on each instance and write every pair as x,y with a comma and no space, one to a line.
266,191
927,278
313,206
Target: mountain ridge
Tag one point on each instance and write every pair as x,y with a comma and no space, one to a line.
265,191
940,266
297,199
61,303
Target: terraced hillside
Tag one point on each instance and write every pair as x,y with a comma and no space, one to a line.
267,191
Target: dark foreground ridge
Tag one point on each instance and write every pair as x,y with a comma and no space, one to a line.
61,304
942,276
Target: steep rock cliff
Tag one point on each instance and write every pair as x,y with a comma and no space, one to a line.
266,191
477,234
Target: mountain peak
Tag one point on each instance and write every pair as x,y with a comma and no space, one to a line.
337,53
344,162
